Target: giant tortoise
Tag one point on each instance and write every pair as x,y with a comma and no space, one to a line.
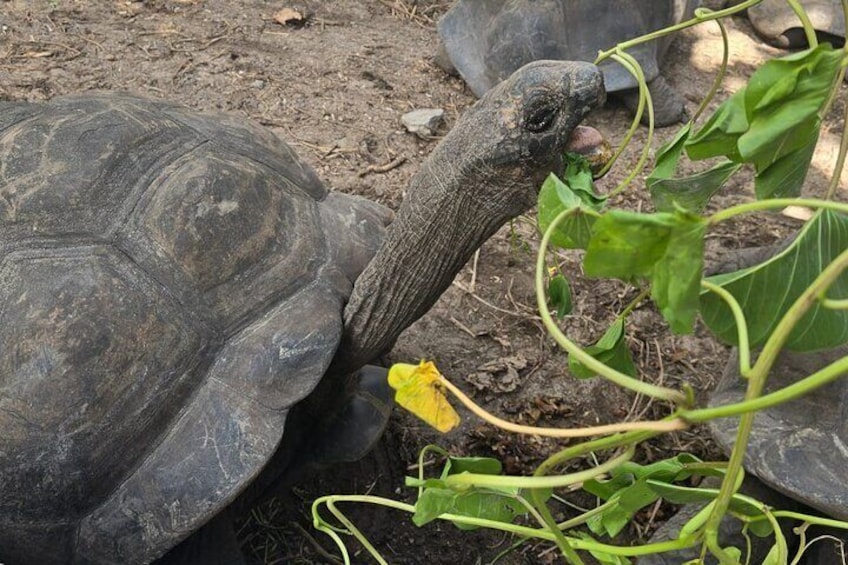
176,286
776,22
486,40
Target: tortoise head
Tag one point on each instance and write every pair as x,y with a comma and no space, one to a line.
515,135
486,171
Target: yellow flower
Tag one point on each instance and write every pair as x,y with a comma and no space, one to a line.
419,390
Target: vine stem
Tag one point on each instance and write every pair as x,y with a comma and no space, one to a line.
538,533
843,143
835,304
661,426
634,125
743,345
795,390
555,481
757,381
425,450
573,349
722,70
630,439
645,101
773,203
809,518
586,447
809,30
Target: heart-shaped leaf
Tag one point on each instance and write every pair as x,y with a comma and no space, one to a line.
766,291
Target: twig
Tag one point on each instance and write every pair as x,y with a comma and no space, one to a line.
87,40
518,305
316,546
472,286
410,14
464,288
76,52
465,328
397,162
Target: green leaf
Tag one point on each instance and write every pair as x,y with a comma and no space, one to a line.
559,296
666,470
610,350
773,557
668,156
627,502
631,487
440,497
627,244
606,489
578,174
676,281
783,97
760,528
694,192
432,503
666,247
575,192
768,143
487,506
720,134
735,554
477,503
637,496
478,465
766,291
678,494
689,193
610,522
773,123
785,176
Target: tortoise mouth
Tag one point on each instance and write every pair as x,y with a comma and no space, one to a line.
589,143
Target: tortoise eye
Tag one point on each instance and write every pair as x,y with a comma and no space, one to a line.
540,116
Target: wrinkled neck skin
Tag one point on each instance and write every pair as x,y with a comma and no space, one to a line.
448,212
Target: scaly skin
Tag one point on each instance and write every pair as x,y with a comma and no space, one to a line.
485,172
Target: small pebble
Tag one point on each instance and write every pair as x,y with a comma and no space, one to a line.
423,122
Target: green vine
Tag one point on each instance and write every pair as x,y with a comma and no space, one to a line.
663,254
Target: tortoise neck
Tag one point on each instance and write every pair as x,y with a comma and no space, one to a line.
440,224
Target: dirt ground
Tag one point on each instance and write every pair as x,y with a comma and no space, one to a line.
335,88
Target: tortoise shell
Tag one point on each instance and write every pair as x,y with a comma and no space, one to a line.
168,290
487,40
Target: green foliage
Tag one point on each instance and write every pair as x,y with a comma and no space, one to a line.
559,295
575,192
692,192
666,248
771,125
439,497
611,350
627,245
435,501
774,122
629,489
765,292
